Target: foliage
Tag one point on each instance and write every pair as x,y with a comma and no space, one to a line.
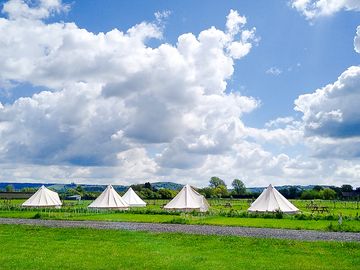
9,188
346,188
239,187
216,182
327,194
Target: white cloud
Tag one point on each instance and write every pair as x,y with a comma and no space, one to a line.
319,8
274,71
332,111
357,40
115,109
160,16
20,9
112,98
279,121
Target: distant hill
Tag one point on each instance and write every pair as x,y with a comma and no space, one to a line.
300,188
167,185
89,188
120,188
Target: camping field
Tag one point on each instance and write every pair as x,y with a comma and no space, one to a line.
220,214
27,247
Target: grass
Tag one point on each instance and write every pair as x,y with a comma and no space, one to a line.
220,215
285,223
27,247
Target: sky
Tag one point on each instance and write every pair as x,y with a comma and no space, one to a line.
123,92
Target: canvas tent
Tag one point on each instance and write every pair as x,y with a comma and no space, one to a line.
44,197
109,199
132,199
188,199
270,200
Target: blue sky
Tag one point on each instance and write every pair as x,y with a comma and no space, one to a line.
296,47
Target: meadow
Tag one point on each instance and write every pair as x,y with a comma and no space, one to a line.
221,214
28,247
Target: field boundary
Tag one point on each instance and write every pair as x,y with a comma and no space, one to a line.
308,235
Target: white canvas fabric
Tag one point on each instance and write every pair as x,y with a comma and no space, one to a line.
109,198
188,199
271,200
132,199
43,197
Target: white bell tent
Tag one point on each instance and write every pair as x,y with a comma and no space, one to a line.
271,200
43,197
188,199
109,199
132,199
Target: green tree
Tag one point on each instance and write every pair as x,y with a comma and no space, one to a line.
239,187
310,194
328,194
166,193
317,188
28,189
221,191
148,185
346,188
9,188
216,182
208,192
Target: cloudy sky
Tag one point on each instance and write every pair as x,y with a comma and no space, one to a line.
130,91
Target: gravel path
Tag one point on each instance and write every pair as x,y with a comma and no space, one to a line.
192,229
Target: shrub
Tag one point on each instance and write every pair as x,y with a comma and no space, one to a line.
37,216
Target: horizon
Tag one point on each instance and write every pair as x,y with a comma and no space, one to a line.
229,187
100,91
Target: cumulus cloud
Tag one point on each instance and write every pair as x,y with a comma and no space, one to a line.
332,111
112,101
319,8
112,107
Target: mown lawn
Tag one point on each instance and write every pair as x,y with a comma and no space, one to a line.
27,247
285,223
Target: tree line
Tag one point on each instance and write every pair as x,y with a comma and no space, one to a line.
217,188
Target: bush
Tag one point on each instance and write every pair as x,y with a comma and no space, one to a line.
279,214
37,216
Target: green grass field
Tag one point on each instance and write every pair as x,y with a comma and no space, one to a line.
27,247
218,215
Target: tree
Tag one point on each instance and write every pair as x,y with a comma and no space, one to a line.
310,194
346,188
221,191
216,182
148,185
328,194
80,190
239,187
317,188
208,192
9,188
166,193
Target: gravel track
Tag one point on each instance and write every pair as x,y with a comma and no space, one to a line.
192,229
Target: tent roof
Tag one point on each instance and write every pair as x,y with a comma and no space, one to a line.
132,199
187,199
271,200
109,198
43,197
